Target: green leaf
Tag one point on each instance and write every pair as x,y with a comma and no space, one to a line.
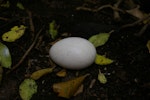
14,34
5,57
6,5
101,77
53,29
27,88
99,39
102,60
20,6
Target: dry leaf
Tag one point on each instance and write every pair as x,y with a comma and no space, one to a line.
148,45
62,73
92,83
38,74
68,88
80,90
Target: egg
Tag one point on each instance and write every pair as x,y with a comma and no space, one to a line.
73,53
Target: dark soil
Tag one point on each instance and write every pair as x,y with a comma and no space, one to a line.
128,77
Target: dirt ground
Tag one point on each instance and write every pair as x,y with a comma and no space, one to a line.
128,77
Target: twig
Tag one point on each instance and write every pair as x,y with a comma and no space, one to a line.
116,13
100,8
5,19
135,23
143,29
31,21
26,53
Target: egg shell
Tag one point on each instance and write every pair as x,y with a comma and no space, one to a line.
73,53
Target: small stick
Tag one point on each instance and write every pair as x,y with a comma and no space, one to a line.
143,29
31,21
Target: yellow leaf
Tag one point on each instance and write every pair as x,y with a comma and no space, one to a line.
62,73
14,34
148,45
38,74
102,60
102,78
67,89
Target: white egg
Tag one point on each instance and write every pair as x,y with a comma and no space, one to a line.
73,53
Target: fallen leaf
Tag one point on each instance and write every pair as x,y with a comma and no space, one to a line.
102,60
67,89
5,57
53,29
61,73
148,45
101,77
27,88
99,39
14,34
38,74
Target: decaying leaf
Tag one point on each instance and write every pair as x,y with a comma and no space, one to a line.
27,88
99,39
5,57
68,88
101,77
38,74
102,60
61,73
53,29
148,45
14,34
